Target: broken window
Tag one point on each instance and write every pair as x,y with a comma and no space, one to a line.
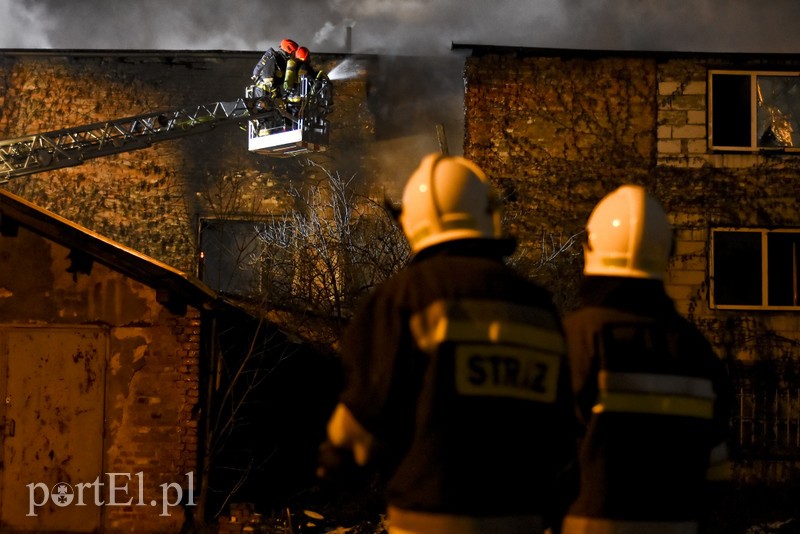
754,110
755,268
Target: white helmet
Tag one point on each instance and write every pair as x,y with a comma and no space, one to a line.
629,235
448,198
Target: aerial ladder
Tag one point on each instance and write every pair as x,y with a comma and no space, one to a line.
272,129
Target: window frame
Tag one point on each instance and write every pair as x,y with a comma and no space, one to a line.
753,75
765,232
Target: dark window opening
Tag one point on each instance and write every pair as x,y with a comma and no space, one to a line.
731,110
783,268
229,256
737,268
755,268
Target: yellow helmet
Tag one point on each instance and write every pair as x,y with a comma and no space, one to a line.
448,198
629,235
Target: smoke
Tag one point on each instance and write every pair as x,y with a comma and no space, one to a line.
403,26
24,26
326,33
404,93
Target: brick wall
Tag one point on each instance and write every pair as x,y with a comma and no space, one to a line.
154,428
556,130
556,134
704,189
682,121
150,199
383,122
148,375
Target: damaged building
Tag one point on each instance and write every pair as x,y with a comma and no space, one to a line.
714,136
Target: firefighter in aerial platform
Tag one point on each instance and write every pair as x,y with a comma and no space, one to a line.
652,397
267,77
300,68
268,74
456,380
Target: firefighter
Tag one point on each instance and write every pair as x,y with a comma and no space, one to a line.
300,59
456,380
268,74
298,69
653,398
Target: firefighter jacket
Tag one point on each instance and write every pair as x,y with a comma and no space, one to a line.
268,73
654,403
457,366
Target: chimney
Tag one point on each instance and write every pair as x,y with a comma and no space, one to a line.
348,40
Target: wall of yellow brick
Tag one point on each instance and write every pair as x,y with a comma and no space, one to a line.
557,131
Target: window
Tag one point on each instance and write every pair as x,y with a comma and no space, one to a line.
228,256
766,420
754,110
754,268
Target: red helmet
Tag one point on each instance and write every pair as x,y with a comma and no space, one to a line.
302,54
288,46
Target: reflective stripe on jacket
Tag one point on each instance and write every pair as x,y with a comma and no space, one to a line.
594,525
457,366
503,349
407,522
654,401
657,394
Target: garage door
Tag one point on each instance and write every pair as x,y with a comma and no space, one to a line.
52,385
